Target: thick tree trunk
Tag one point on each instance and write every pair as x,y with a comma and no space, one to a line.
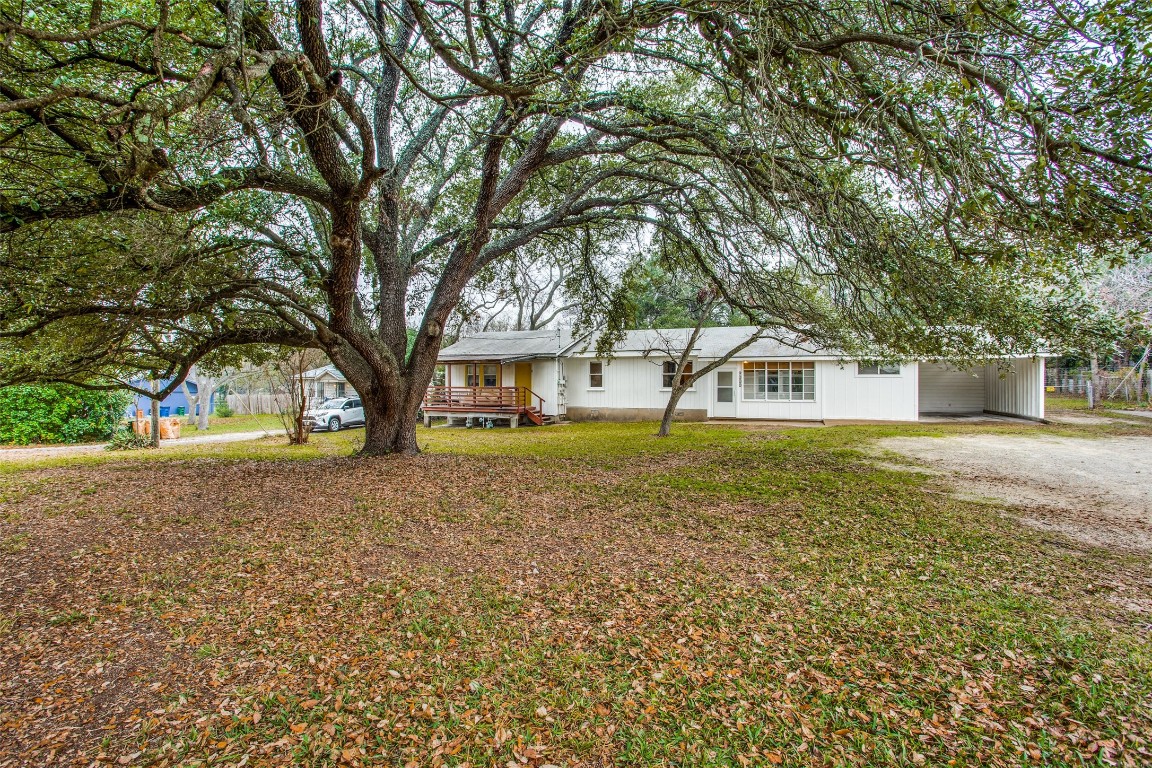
390,424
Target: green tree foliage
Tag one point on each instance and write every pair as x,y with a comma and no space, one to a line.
59,414
911,177
663,298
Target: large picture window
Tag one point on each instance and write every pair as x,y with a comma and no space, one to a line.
780,381
596,374
481,375
670,373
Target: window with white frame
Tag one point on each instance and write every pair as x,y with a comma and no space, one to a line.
670,373
780,381
877,369
596,374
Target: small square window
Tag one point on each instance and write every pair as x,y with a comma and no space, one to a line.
481,375
877,369
670,373
596,374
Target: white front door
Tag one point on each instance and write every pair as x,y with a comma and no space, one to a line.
724,393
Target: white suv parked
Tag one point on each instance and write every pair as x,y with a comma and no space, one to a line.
335,414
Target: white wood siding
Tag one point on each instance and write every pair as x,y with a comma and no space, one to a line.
629,382
544,384
1015,387
840,393
845,394
946,389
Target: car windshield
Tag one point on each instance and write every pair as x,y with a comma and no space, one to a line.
336,402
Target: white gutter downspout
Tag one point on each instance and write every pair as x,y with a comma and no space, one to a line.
562,377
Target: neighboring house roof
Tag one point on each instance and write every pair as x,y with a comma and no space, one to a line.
507,346
326,370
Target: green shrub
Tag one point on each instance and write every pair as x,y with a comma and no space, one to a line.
222,409
58,413
127,440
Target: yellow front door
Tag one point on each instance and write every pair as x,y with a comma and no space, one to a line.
524,379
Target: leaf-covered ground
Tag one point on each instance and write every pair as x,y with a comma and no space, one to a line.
577,595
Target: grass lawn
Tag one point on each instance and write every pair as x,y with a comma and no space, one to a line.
1060,401
1065,402
577,595
219,425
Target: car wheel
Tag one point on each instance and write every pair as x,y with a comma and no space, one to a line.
334,424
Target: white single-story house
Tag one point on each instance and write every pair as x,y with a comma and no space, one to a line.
544,374
326,382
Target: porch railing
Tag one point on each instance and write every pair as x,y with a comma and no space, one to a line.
450,398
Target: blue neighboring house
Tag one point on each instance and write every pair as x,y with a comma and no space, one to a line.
176,404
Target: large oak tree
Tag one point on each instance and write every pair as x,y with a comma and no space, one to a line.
328,172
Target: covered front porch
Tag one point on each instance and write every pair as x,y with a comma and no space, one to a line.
480,406
483,392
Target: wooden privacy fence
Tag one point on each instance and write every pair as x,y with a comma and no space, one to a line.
248,404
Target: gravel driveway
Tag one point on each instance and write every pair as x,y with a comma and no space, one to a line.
1096,490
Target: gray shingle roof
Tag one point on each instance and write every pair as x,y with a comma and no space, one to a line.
329,369
509,345
713,342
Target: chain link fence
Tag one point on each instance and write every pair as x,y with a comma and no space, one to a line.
1129,385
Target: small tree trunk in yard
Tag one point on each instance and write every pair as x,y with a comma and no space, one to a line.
205,386
1093,384
683,383
300,434
1140,376
670,409
191,399
155,418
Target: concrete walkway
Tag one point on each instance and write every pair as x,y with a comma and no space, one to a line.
43,451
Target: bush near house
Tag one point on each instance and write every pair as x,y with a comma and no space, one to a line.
58,414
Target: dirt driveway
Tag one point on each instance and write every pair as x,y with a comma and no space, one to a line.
48,451
1098,491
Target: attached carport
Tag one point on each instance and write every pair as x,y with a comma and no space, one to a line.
945,389
1009,387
